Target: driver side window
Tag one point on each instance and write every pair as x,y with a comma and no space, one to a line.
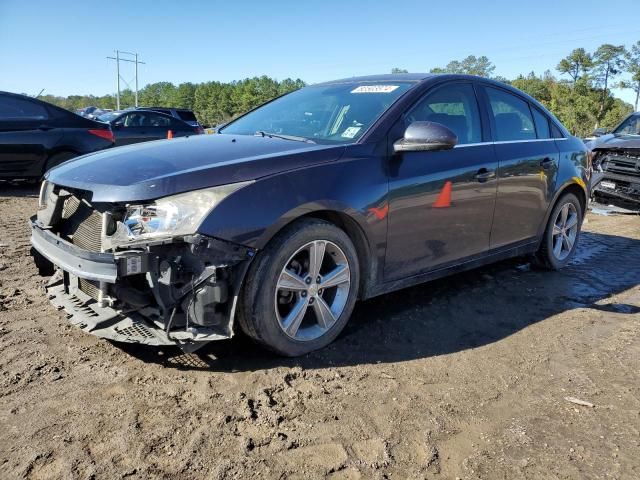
453,106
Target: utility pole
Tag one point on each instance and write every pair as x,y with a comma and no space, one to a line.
118,59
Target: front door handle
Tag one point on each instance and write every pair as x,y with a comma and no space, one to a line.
44,127
546,163
485,174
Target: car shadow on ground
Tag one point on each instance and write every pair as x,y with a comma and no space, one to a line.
464,311
19,188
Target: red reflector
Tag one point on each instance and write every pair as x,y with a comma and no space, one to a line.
199,130
106,134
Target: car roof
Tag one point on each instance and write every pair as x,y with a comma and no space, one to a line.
389,77
163,108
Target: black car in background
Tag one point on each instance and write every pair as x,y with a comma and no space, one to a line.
183,114
336,192
36,136
616,160
135,126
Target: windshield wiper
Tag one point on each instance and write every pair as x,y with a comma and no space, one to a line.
262,133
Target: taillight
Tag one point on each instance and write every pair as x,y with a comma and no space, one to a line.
106,134
198,130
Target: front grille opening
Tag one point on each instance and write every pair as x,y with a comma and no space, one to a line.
622,164
81,224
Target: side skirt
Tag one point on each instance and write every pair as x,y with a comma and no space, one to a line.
529,247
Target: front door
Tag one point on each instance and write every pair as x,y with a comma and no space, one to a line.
441,203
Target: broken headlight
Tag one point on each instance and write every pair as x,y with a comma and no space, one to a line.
171,216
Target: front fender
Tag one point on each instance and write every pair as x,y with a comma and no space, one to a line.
355,186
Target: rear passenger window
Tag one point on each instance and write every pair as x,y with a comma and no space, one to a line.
453,106
17,108
542,124
512,116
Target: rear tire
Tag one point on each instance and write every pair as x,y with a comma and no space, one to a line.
561,236
57,159
286,310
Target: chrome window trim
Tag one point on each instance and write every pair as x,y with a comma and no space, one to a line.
503,142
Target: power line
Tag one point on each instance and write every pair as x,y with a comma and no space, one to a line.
119,77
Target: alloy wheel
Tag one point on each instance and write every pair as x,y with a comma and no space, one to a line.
565,231
312,290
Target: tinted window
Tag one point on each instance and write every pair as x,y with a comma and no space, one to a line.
542,124
453,106
631,126
512,117
155,120
15,108
556,132
186,115
131,120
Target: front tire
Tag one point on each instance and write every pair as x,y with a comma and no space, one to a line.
301,289
561,236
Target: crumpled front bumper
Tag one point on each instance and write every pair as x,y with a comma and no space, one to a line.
118,325
120,322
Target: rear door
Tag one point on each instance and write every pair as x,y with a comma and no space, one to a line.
441,203
528,161
26,136
157,125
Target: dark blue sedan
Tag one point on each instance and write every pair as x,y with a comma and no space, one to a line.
278,225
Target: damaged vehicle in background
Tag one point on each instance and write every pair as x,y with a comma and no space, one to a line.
278,225
616,163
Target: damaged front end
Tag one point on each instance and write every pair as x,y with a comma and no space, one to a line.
138,286
617,175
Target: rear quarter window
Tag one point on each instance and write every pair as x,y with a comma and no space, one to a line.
186,115
17,108
542,123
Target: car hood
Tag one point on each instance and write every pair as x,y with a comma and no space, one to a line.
611,141
156,169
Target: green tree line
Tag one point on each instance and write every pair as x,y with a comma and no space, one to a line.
212,102
580,96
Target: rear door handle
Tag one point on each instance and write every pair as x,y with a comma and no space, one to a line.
44,127
546,163
485,174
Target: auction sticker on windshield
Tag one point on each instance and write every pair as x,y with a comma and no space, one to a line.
350,132
374,89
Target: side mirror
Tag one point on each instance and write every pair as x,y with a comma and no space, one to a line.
598,132
426,136
117,125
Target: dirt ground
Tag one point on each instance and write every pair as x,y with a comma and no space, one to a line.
461,378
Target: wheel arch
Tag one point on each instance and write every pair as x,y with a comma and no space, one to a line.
59,150
571,186
354,230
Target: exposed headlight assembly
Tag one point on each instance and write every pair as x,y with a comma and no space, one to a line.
171,216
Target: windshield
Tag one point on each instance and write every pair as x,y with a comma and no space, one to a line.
631,126
338,113
107,117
